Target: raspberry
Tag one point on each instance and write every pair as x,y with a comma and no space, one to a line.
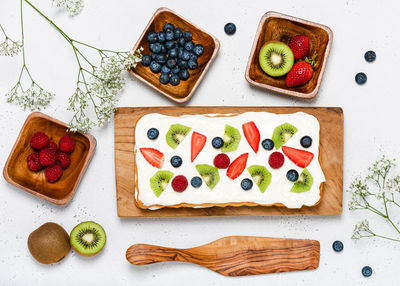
179,183
64,159
53,146
39,141
66,144
47,157
53,173
276,160
33,162
222,161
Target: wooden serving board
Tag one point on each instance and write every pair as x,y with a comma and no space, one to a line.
331,158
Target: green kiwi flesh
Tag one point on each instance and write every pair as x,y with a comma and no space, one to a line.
261,176
209,174
276,59
88,238
176,134
160,181
231,139
304,183
282,134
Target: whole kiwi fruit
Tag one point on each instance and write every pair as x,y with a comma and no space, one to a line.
49,243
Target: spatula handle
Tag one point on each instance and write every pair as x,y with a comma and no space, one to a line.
142,254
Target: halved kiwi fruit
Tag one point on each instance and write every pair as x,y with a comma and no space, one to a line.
231,138
88,238
304,183
282,134
261,176
276,58
176,134
209,174
160,181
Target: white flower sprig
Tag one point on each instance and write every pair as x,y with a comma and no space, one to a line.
9,47
384,191
74,7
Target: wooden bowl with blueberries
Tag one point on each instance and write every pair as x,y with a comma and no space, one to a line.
176,55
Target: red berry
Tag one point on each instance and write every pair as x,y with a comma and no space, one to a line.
53,173
53,146
276,160
237,167
66,144
179,183
39,141
300,46
222,161
198,142
301,158
64,159
252,135
47,157
33,162
153,156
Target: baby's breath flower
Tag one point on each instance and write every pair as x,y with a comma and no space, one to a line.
74,7
33,98
10,48
361,229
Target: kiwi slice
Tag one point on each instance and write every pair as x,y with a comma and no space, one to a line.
304,183
261,176
209,174
88,238
160,181
282,134
231,139
276,58
176,134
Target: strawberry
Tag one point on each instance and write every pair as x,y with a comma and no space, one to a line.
33,162
153,156
300,73
179,183
222,161
276,160
300,46
39,141
66,144
53,146
237,166
53,173
47,157
252,135
300,157
198,142
64,159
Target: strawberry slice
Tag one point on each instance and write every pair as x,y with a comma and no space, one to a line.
153,156
198,142
300,157
252,135
237,166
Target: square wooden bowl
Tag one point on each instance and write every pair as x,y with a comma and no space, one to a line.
184,91
17,173
279,27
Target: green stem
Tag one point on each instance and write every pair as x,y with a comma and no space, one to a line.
4,32
385,237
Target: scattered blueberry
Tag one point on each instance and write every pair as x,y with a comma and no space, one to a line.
176,161
184,75
185,55
174,80
217,142
187,36
169,35
268,144
366,271
306,141
155,67
192,64
189,46
230,28
152,37
170,44
146,60
337,246
152,133
182,64
196,182
168,27
165,69
292,175
198,50
161,59
178,33
246,184
370,56
161,37
164,78
173,53
171,63
181,41
361,78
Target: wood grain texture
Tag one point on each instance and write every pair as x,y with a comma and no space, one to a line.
185,90
16,171
236,255
280,27
331,158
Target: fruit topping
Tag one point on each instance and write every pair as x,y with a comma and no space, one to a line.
153,156
276,160
300,157
39,141
276,59
267,144
301,72
261,176
370,56
246,184
304,183
47,157
33,162
366,271
361,78
252,135
292,175
160,181
152,133
222,161
66,144
337,246
209,174
282,134
300,46
237,166
230,29
306,141
231,139
198,142
217,142
88,238
176,134
196,182
64,159
179,183
53,173
176,161
53,146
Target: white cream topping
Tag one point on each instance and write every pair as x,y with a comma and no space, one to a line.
227,190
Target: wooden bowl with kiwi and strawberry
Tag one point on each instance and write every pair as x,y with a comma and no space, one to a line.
289,55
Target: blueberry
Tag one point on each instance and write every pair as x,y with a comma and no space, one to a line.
189,46
153,56
292,175
178,33
161,59
169,36
163,49
370,56
184,75
176,161
306,141
175,70
174,80
217,142
361,78
170,45
187,36
146,59
168,27
180,52
185,55
366,271
173,53
193,56
165,69
230,28
246,184
192,64
268,144
155,48
182,64
161,37
152,133
337,246
171,63
155,67
152,37
181,41
164,78
196,182
198,50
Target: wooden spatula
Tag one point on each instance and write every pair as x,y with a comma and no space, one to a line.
236,255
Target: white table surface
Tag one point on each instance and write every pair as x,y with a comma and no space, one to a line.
371,114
